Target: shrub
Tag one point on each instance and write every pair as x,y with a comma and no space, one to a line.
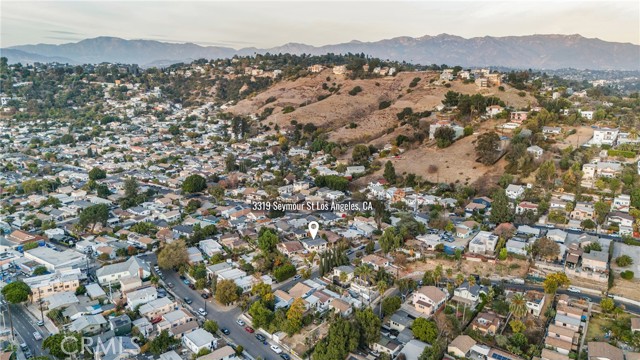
384,104
624,260
522,94
355,91
501,88
287,109
622,153
414,82
627,275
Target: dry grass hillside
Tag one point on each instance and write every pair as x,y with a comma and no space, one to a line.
378,127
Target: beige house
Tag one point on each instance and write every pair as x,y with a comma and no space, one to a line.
49,284
428,299
461,346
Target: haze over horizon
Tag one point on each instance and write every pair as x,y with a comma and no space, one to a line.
267,24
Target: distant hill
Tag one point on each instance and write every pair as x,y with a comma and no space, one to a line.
18,56
532,51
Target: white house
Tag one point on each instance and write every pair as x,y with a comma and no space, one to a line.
483,243
210,247
605,136
141,296
132,267
514,191
621,203
536,151
198,340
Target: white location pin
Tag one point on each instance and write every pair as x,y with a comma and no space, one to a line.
313,229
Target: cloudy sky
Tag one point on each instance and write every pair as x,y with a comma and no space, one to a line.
240,24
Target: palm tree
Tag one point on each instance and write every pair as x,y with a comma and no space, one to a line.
459,279
471,280
364,272
382,288
518,306
437,274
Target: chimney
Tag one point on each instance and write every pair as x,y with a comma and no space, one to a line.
140,273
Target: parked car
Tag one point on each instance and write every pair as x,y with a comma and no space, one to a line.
225,331
40,323
170,285
285,356
191,286
188,300
202,312
573,289
297,277
186,282
240,322
260,337
249,329
37,336
276,349
204,295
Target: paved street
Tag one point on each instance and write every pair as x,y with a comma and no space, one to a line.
25,326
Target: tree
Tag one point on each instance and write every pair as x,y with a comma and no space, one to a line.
546,248
444,135
40,270
517,326
267,240
63,345
81,290
161,343
554,281
500,210
210,326
487,147
294,316
16,292
518,306
546,173
173,255
284,272
390,240
624,260
131,188
226,292
360,154
260,314
425,330
95,214
389,172
342,338
369,326
97,174
194,184
602,210
264,293
588,224
607,304
390,305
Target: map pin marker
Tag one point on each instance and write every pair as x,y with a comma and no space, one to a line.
313,229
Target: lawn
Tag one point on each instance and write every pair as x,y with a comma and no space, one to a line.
599,325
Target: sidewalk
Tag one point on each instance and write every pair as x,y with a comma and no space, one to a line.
34,313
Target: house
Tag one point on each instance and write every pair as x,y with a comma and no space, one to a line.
514,191
387,345
198,340
46,285
535,302
141,296
290,248
635,324
377,262
194,255
173,319
493,110
483,243
134,266
563,333
487,323
120,325
536,151
599,350
583,211
517,246
525,206
621,203
557,235
458,130
210,247
605,136
428,299
413,349
468,295
224,353
282,299
548,354
156,308
519,116
340,307
89,324
551,130
461,346
344,273
567,322
620,218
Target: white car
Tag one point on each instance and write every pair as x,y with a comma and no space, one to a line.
573,289
202,312
37,336
276,349
240,322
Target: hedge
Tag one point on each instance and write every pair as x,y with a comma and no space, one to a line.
623,153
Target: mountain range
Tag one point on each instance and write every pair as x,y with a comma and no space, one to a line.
531,51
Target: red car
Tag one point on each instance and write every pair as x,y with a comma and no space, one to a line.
249,329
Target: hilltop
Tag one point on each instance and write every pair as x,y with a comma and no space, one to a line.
358,119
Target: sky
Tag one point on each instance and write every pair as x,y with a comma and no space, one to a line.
265,24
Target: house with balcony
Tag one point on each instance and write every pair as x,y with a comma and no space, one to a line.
484,243
428,300
486,323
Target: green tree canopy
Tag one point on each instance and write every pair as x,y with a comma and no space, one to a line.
194,184
425,330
